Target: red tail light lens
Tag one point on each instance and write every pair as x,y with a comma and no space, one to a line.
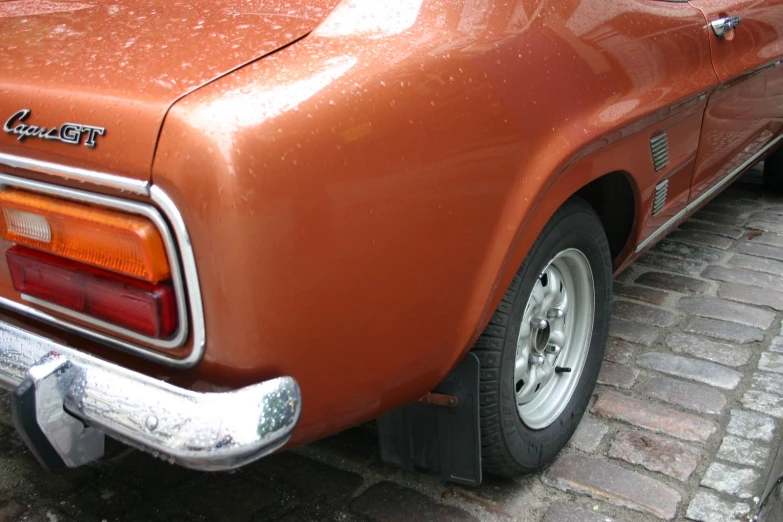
122,301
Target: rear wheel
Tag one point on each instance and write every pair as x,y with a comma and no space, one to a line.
773,172
541,353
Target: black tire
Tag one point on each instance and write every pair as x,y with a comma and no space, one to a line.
773,172
508,446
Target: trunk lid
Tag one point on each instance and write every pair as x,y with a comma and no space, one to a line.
119,66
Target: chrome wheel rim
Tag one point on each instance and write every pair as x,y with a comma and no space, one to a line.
554,338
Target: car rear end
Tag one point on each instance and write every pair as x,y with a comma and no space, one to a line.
102,326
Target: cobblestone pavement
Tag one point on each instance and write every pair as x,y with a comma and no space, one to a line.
683,424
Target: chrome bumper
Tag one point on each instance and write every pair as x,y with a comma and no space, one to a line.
205,431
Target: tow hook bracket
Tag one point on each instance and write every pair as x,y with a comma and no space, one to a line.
441,433
56,438
440,399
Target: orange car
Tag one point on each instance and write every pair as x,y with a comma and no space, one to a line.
235,226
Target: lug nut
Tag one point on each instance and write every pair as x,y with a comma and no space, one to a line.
553,348
555,313
541,324
537,359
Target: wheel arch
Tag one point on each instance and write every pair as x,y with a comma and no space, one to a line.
614,193
613,197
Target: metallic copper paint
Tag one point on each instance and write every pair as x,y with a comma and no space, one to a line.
745,112
121,64
359,201
378,201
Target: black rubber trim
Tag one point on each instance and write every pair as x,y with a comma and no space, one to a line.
24,419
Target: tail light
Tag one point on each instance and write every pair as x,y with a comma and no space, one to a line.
123,243
145,308
109,268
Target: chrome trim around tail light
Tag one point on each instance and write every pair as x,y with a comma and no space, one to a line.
134,186
184,278
205,431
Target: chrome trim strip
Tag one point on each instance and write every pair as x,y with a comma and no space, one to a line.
659,147
191,281
205,431
693,205
84,175
188,260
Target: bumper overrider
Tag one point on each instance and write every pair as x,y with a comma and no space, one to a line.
64,402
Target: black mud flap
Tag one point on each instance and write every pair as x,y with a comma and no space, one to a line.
439,439
24,419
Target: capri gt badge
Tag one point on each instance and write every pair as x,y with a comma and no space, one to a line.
71,133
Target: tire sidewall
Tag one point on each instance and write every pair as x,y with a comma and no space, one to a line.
579,229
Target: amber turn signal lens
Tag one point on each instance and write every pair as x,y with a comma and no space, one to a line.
119,242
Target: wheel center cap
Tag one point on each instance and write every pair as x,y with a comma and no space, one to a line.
541,338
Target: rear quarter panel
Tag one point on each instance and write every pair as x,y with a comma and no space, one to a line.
359,201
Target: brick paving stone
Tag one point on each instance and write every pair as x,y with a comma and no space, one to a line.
675,283
727,331
732,207
45,514
640,293
588,435
763,402
387,501
613,484
219,497
722,353
686,251
718,217
687,368
771,362
642,414
712,228
742,276
568,512
751,425
115,500
619,351
751,295
742,451
10,510
754,249
742,195
147,473
702,238
310,476
776,345
766,238
721,309
633,332
708,507
769,217
759,264
703,399
768,382
642,313
766,226
655,453
672,264
740,482
617,375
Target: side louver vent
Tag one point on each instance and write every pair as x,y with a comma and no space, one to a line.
659,145
660,196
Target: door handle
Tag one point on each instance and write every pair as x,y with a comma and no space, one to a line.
722,26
